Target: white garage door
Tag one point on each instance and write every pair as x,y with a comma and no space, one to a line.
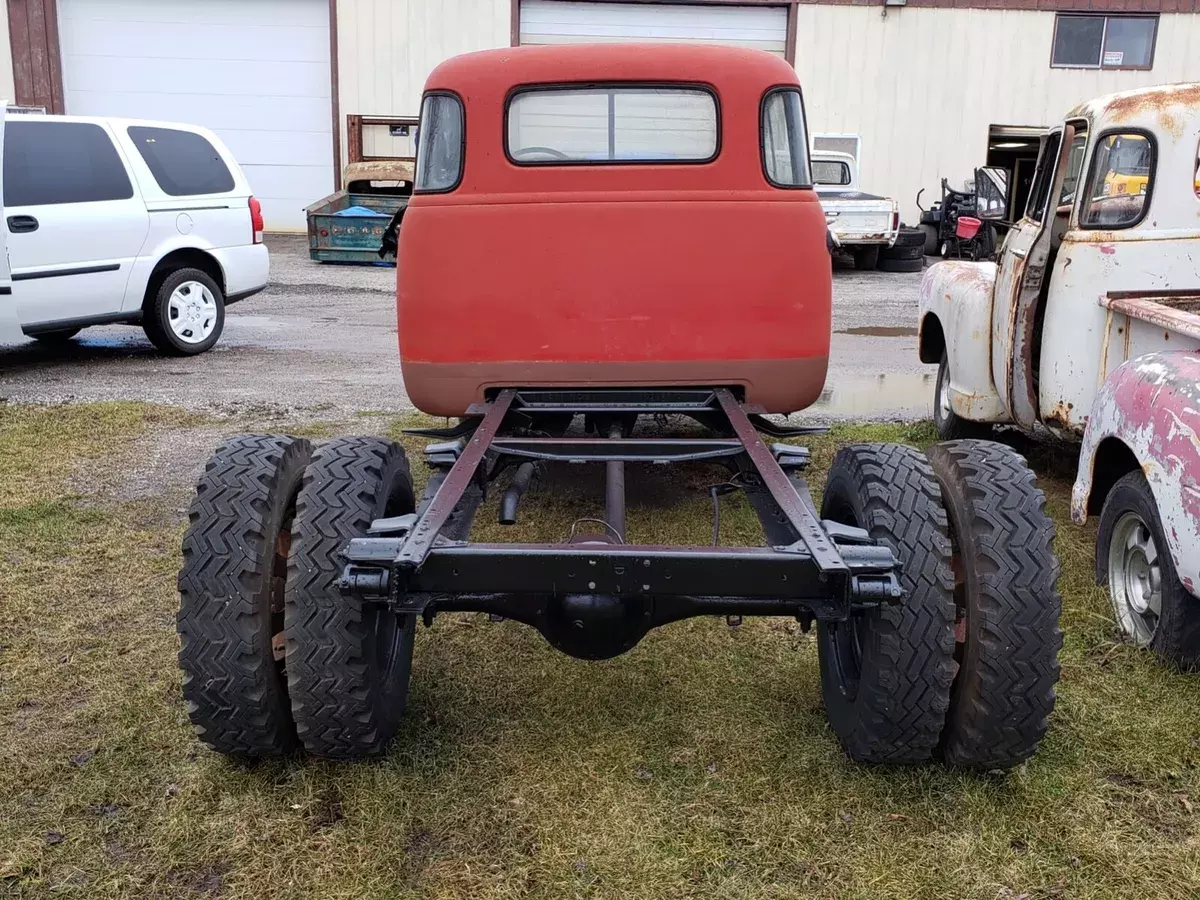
569,21
254,71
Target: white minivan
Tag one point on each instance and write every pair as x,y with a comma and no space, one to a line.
123,221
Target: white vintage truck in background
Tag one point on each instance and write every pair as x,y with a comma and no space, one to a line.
860,224
1088,328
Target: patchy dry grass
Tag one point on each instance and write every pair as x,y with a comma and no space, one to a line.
698,765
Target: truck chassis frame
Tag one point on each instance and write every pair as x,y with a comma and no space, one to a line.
596,596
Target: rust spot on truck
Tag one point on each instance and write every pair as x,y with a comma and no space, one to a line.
1134,104
1059,416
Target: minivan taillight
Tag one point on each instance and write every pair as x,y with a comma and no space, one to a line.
256,220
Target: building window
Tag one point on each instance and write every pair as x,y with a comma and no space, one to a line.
1104,42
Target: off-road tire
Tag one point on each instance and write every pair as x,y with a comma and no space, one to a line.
949,425
901,265
156,311
1007,605
895,711
348,661
865,258
1176,638
52,338
231,595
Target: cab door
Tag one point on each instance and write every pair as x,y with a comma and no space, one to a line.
1024,266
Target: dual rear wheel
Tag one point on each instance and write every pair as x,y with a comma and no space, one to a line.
964,668
274,658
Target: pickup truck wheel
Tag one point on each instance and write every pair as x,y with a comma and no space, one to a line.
231,593
56,337
865,258
949,425
186,315
886,671
1152,607
348,661
1006,601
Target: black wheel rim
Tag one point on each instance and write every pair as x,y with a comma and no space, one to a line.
389,633
845,640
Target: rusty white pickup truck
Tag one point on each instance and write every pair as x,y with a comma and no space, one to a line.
861,224
1088,328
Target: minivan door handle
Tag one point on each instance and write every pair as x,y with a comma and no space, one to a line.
22,224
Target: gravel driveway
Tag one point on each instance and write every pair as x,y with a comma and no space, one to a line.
323,337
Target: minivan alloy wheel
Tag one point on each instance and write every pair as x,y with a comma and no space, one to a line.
192,312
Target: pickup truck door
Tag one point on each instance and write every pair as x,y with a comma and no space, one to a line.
1023,268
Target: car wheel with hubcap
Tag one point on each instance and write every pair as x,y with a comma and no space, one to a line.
1152,607
186,314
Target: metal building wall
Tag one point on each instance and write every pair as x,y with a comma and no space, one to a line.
8,90
923,85
387,48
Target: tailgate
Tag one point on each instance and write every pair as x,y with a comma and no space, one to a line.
859,217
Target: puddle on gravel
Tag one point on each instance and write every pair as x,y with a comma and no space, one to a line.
256,321
877,394
881,331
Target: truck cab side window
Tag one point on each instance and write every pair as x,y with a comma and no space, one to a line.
440,144
785,140
1121,180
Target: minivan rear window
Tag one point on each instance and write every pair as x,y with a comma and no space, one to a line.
182,162
47,163
548,126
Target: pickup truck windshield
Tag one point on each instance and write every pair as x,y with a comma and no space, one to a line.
549,126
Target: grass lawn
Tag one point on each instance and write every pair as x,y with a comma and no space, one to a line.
699,765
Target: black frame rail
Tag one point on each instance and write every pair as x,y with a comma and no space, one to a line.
597,595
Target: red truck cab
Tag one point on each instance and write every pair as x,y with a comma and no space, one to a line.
608,215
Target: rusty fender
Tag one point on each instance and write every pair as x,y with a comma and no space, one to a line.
957,296
1152,405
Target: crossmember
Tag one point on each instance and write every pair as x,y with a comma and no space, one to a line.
597,595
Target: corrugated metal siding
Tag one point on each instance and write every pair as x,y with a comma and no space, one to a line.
578,21
8,90
387,48
922,86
